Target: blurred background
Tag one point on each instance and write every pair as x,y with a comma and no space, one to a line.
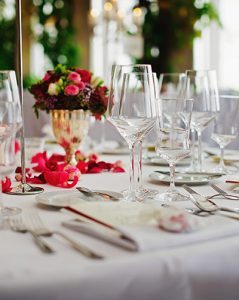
171,35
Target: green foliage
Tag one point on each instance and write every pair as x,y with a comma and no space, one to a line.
29,80
170,26
58,34
7,40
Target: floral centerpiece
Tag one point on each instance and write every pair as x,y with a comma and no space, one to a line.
70,95
72,89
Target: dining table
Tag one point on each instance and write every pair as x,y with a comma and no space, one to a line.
198,269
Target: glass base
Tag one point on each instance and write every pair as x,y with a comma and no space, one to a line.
26,189
130,196
10,211
146,194
224,170
169,196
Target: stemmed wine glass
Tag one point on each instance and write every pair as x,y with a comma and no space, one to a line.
10,123
202,88
226,126
117,74
133,114
174,117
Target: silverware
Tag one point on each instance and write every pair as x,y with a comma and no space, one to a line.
18,225
41,229
193,211
206,204
113,196
222,193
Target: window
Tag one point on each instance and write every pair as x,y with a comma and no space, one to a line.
219,47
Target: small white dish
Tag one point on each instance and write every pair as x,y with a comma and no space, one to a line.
60,198
181,179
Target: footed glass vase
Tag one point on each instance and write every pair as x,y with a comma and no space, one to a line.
70,127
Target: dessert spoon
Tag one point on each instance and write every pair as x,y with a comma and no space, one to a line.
113,196
206,204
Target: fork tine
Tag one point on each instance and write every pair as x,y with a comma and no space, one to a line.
41,229
35,223
17,224
217,189
189,190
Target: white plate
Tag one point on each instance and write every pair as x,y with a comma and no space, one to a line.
157,161
181,179
60,198
67,198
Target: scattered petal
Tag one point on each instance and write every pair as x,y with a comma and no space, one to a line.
6,185
118,170
95,170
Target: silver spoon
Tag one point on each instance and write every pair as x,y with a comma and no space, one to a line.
193,211
206,204
113,196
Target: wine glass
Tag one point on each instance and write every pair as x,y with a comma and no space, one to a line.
10,107
226,126
202,87
10,123
117,74
174,117
143,192
133,114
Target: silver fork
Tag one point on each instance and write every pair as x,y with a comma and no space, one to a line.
17,224
41,229
222,193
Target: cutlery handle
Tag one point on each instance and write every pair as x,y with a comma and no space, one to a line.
229,209
79,247
41,243
189,190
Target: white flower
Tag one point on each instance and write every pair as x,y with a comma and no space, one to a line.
53,89
95,81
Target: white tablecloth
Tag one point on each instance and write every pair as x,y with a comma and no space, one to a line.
207,270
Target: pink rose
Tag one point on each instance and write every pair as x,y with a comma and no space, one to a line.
46,76
75,77
71,90
81,85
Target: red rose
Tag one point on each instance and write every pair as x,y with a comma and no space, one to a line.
85,75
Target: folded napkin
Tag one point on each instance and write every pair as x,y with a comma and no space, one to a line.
144,227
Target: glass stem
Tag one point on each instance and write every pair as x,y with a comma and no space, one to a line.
221,164
140,153
199,150
193,160
172,175
132,170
